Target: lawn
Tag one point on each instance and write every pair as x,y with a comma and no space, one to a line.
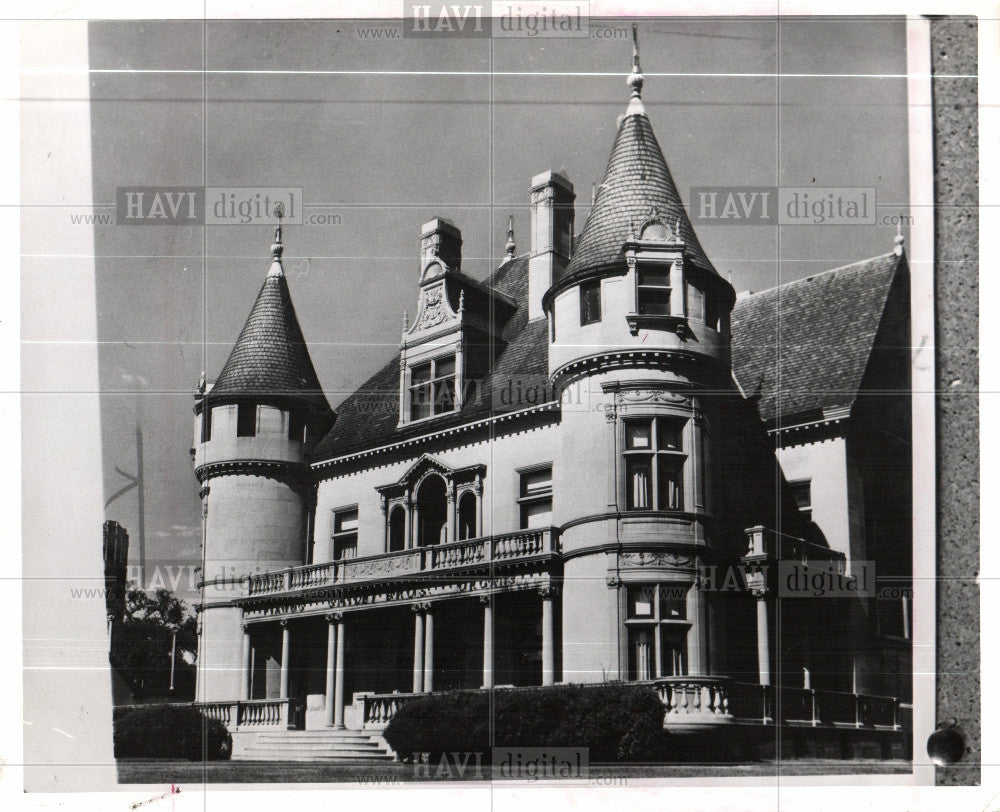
294,772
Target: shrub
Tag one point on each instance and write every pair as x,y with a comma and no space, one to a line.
616,722
170,731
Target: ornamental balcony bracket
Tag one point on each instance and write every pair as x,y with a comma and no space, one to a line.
666,323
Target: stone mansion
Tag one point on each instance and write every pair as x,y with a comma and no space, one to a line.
592,465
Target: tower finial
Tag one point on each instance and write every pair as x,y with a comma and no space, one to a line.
900,239
277,249
511,245
635,78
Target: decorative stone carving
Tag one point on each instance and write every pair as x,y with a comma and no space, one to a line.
657,559
433,309
613,581
627,396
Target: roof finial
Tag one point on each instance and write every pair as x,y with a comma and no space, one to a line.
277,249
900,239
635,78
511,246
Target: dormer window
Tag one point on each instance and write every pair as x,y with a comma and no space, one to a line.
432,387
653,291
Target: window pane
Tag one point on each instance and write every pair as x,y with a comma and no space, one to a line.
421,373
638,485
655,276
640,601
668,434
654,302
673,652
641,653
397,529
346,521
673,602
246,420
590,302
444,396
536,482
696,302
444,367
206,425
670,496
345,548
638,435
420,401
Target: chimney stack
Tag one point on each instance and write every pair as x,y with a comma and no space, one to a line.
441,238
551,235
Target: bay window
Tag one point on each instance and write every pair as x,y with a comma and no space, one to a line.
656,630
654,463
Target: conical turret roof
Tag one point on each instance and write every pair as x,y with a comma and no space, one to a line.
270,360
637,186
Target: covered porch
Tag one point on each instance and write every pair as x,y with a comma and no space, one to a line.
341,669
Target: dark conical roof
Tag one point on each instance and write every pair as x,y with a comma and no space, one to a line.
637,180
270,360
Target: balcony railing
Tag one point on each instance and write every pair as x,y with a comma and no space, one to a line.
456,555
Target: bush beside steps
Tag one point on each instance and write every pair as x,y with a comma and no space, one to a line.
170,732
615,721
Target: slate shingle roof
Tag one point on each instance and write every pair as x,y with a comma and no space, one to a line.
802,348
637,178
368,418
270,358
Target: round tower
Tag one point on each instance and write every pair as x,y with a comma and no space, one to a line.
639,346
252,429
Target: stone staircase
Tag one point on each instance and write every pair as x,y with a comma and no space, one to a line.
347,746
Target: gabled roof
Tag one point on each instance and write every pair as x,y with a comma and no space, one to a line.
368,418
270,360
636,181
801,349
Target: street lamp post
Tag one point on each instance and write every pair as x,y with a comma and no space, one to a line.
173,653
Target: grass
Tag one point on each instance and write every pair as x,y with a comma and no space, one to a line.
375,775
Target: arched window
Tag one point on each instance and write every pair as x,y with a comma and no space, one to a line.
432,506
397,529
467,516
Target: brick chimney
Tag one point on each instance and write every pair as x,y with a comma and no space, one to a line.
551,235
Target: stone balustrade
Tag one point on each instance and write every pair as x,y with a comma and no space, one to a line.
253,713
455,555
380,708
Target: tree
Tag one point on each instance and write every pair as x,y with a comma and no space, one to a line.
141,645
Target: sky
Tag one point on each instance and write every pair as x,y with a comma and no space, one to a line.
413,129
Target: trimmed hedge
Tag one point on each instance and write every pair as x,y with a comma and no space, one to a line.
616,721
170,731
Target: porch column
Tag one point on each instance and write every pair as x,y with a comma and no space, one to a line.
479,506
698,633
338,694
548,655
331,669
487,602
429,648
245,665
285,646
408,523
763,640
450,534
418,648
